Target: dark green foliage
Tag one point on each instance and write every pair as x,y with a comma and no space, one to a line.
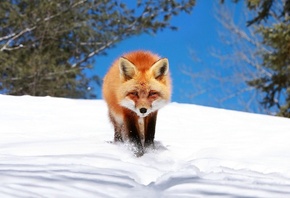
277,60
46,47
273,21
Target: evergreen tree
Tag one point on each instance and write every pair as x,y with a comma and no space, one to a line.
276,59
46,47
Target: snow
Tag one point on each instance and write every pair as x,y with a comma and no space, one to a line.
55,147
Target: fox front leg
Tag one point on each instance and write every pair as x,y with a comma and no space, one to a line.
133,134
150,124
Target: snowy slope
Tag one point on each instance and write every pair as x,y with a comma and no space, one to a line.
53,147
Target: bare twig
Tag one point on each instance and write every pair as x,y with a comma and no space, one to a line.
110,43
5,47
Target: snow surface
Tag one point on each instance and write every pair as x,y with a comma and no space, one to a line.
54,147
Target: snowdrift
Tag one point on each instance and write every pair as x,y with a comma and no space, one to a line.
54,147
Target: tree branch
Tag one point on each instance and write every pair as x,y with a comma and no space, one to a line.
14,36
110,43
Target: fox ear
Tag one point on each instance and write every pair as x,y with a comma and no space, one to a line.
160,68
127,69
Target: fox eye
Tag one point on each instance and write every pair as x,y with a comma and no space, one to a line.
153,93
133,93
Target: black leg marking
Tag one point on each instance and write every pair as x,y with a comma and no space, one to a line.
118,137
150,124
133,134
117,129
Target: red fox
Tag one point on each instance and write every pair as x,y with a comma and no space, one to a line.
136,86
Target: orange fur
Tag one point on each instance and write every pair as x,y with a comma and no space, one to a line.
137,82
113,83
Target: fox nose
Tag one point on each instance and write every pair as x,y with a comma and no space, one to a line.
143,110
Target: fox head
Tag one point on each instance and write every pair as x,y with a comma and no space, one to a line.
144,89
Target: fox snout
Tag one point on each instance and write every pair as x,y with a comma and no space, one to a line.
143,110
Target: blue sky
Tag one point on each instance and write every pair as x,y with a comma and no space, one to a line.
196,33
